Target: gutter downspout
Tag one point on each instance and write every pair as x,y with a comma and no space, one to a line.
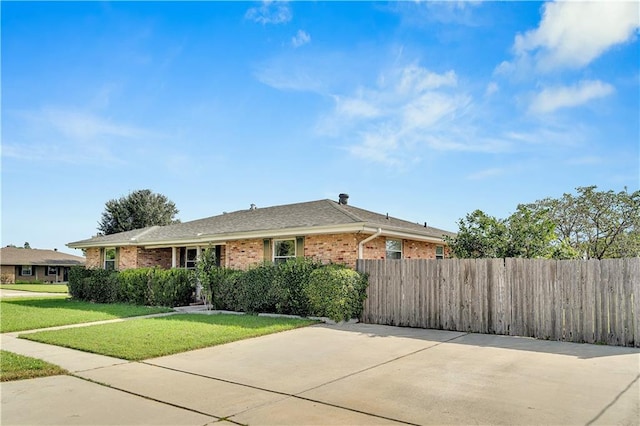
366,240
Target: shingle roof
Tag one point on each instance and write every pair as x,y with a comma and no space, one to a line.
20,256
300,216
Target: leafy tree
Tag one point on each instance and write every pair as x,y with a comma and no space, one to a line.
529,234
479,236
26,245
596,224
139,209
526,233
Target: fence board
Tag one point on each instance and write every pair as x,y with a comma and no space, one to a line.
580,301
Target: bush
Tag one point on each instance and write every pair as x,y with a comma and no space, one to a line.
76,284
255,289
135,286
336,292
145,286
101,286
287,289
171,287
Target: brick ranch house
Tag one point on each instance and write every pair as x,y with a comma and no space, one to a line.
49,266
325,230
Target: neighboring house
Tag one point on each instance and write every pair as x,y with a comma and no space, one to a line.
51,266
325,230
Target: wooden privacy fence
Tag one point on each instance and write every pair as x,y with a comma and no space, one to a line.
592,301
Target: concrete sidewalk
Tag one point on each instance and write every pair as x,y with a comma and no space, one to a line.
4,292
349,374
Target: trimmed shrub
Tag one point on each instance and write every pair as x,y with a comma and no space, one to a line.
145,286
229,295
171,287
288,286
255,292
336,292
101,286
76,283
135,286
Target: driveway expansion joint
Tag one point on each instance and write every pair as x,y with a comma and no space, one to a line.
382,363
215,418
286,394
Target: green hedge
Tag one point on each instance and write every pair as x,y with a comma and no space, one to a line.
145,286
336,292
298,287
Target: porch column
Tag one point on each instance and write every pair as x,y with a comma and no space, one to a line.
174,257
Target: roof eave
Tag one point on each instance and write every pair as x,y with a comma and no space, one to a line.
205,239
269,233
91,244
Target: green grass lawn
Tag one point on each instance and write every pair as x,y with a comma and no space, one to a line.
154,337
18,367
41,288
32,313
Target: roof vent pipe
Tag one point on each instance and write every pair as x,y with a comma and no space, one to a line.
343,199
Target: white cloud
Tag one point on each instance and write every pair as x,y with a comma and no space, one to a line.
491,89
573,34
417,79
554,98
70,136
356,107
270,12
301,38
411,109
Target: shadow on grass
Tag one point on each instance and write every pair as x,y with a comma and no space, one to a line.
77,305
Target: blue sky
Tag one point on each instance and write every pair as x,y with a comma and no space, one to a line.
423,110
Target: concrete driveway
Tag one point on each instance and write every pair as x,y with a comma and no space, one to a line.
350,374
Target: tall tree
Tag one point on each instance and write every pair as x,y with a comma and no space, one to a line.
596,224
139,209
479,236
526,233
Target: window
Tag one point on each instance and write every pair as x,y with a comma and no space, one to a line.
26,271
394,249
51,270
284,250
110,259
439,252
192,258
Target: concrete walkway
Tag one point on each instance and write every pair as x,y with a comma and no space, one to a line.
349,374
4,292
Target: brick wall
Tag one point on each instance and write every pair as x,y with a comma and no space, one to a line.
127,258
375,249
411,249
418,250
242,254
148,258
336,248
93,258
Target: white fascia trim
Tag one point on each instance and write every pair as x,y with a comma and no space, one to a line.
122,243
276,233
386,232
204,240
